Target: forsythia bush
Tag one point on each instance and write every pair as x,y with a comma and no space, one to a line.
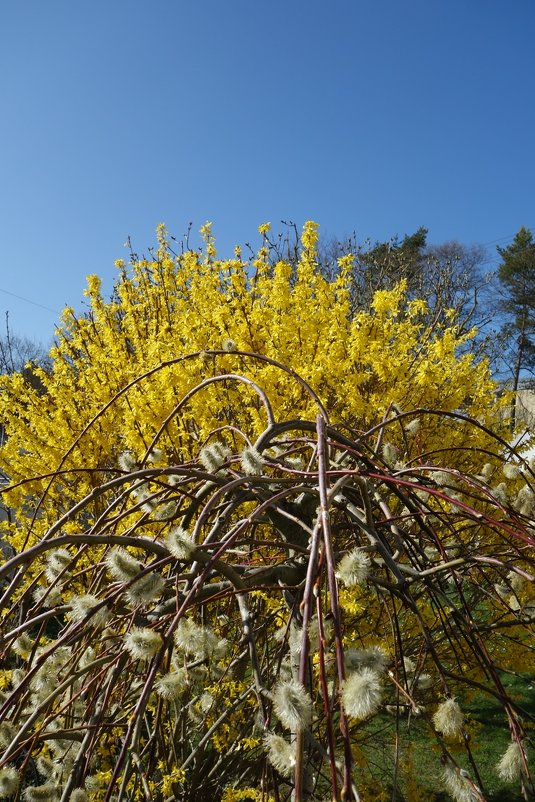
254,538
191,312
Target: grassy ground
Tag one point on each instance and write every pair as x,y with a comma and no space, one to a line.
493,737
420,772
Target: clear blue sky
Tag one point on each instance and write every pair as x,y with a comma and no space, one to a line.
374,115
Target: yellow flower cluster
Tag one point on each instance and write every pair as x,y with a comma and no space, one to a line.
245,794
178,320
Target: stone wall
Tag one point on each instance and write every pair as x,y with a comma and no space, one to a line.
525,410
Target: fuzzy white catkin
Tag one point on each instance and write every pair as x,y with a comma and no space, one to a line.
409,666
443,478
361,693
516,581
87,657
143,643
155,455
47,596
510,470
487,470
200,641
500,493
18,675
121,564
510,765
92,783
456,784
251,461
206,702
213,455
180,543
165,511
313,632
424,681
171,686
41,793
82,605
142,496
353,568
413,427
390,453
9,781
281,754
448,719
7,733
525,501
294,635
146,589
292,705
127,462
46,767
56,564
23,645
373,657
78,795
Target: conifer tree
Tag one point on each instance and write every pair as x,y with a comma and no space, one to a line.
517,276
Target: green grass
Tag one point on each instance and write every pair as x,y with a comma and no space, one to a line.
489,740
493,737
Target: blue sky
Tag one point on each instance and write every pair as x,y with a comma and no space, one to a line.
371,115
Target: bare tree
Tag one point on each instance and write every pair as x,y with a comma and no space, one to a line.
450,276
453,277
19,354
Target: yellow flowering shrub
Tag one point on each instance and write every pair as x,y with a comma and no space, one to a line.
248,525
191,317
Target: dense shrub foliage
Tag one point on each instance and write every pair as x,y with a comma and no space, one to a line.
255,539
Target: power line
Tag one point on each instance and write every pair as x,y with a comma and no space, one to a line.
502,239
28,301
56,312
494,241
492,258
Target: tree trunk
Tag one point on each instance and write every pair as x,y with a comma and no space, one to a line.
518,368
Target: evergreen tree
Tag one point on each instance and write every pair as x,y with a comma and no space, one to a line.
517,276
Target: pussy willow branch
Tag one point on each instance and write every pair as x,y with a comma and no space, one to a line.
327,707
347,790
162,366
208,562
207,382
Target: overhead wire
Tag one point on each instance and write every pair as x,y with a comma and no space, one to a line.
29,301
57,312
